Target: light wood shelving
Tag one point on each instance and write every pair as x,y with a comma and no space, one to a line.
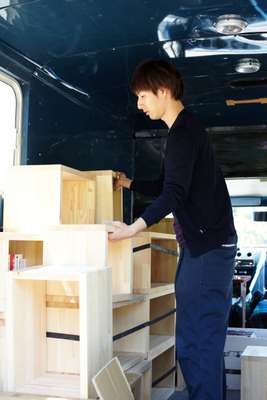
58,311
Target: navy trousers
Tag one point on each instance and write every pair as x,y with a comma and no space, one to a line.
203,288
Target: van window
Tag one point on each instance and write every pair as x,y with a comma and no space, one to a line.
7,130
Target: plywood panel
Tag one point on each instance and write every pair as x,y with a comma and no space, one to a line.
142,264
26,332
163,266
38,204
95,327
111,383
120,259
76,247
254,373
78,202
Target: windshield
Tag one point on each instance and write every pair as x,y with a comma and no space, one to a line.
250,233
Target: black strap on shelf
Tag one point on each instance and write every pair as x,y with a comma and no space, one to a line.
162,377
142,247
129,331
65,336
165,250
156,247
136,328
233,371
155,320
144,325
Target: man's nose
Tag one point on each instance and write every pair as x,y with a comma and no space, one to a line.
139,104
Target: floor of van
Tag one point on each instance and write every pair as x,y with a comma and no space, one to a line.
231,395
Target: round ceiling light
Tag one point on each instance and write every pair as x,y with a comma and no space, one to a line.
230,24
248,65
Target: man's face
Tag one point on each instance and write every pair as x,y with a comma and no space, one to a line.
153,105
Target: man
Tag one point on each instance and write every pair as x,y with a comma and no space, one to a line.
194,190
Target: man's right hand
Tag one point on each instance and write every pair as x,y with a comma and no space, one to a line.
121,180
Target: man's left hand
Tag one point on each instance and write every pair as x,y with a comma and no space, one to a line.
124,231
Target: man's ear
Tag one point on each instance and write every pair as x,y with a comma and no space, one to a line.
163,91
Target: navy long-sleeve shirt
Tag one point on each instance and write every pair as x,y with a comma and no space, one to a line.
192,188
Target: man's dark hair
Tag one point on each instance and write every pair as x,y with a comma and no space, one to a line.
154,74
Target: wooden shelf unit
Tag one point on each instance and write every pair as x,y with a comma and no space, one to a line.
63,204
51,355
37,196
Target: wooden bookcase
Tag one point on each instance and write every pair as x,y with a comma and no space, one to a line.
59,319
147,323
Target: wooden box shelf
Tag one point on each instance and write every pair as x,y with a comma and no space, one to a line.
126,320
37,196
162,324
32,365
162,385
155,263
109,203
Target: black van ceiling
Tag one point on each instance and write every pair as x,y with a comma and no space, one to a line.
87,49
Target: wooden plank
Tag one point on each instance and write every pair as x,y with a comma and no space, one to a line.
156,290
254,373
20,396
84,247
164,226
128,359
95,327
38,204
109,204
53,273
56,301
53,385
120,259
4,251
142,264
78,202
123,300
158,344
26,332
111,383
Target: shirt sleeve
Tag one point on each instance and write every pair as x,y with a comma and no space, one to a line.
180,158
148,188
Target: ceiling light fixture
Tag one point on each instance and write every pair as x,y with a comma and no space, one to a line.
248,65
230,24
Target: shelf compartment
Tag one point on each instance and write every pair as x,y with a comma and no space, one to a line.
80,342
158,344
49,195
130,330
109,202
163,371
155,263
162,311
